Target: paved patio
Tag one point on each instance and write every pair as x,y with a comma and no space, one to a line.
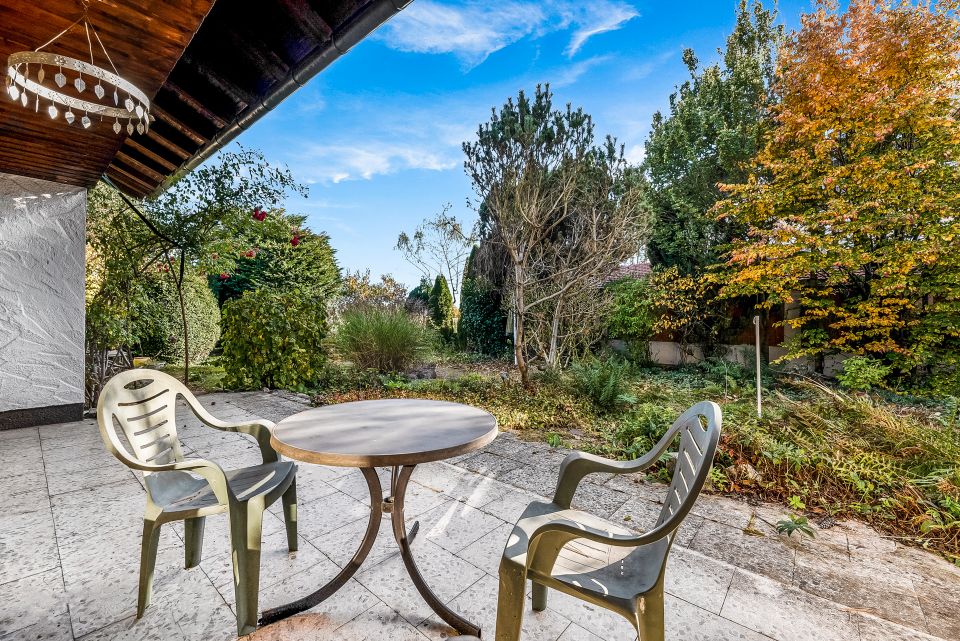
70,532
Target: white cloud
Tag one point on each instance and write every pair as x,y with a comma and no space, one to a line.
571,73
364,160
474,29
593,18
635,154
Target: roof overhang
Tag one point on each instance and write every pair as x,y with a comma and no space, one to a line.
211,69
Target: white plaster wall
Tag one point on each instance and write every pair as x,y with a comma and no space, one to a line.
42,251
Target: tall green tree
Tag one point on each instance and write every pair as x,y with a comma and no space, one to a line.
281,257
710,135
441,307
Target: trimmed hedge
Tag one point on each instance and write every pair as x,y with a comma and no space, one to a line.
273,339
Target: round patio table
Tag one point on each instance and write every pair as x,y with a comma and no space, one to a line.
395,433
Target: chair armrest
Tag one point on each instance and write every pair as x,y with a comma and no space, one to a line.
259,429
576,530
579,464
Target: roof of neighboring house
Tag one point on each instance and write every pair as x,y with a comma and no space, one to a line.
633,270
210,68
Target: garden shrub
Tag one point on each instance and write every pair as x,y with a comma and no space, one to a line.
158,324
862,373
385,339
442,314
273,339
482,319
632,314
606,382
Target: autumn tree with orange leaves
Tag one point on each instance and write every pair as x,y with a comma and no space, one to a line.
854,212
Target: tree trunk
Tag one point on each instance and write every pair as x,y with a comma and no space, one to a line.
519,343
554,333
178,282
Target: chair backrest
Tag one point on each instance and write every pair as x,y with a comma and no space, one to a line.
142,403
699,430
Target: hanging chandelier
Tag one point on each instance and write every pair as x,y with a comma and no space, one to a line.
81,90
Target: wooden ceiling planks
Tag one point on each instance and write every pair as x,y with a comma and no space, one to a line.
203,64
144,38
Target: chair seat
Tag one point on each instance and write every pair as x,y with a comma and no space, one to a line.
584,566
176,492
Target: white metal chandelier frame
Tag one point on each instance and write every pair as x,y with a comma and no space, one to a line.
135,107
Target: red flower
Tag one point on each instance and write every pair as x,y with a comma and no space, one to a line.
295,240
224,275
259,214
250,253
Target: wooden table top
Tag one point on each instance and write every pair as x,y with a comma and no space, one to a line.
383,433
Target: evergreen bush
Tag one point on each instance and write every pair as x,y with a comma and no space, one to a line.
483,321
273,339
158,324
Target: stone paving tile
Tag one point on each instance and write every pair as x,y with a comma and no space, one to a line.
851,584
600,500
30,602
877,629
454,525
511,505
940,602
28,544
467,487
641,515
478,604
333,512
341,544
276,563
489,464
446,574
769,555
486,552
766,606
697,579
533,478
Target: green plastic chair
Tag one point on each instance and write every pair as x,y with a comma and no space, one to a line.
142,403
560,548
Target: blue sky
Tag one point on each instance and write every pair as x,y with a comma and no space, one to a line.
377,135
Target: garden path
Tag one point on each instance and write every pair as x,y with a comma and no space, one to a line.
70,573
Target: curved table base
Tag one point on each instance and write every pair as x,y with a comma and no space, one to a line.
394,505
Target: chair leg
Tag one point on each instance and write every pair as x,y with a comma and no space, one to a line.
290,515
193,541
539,597
510,602
148,560
650,620
246,527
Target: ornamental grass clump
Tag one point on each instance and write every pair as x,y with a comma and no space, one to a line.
386,339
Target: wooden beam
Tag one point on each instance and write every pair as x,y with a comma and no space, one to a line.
239,95
163,142
194,104
309,19
152,155
113,169
133,163
176,124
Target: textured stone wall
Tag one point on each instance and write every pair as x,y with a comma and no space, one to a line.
41,293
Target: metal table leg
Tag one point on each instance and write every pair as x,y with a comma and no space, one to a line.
373,528
398,491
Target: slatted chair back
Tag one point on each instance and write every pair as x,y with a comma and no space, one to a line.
699,431
142,405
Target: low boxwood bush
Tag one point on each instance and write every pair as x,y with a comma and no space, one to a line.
273,339
383,339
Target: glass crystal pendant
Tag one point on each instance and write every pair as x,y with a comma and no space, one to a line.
128,103
52,110
60,79
116,98
23,98
40,75
85,121
98,91
14,92
80,85
140,128
116,126
129,127
139,111
69,117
